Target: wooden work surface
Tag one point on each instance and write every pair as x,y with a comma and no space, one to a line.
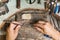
28,33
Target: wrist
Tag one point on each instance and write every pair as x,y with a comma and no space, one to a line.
9,38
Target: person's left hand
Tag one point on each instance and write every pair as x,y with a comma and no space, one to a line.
12,31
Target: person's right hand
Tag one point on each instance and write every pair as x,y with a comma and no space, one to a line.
44,27
47,28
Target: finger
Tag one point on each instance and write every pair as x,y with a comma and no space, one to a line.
41,22
13,25
39,25
41,30
16,22
17,28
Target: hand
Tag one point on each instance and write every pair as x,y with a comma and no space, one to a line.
12,31
47,28
44,27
